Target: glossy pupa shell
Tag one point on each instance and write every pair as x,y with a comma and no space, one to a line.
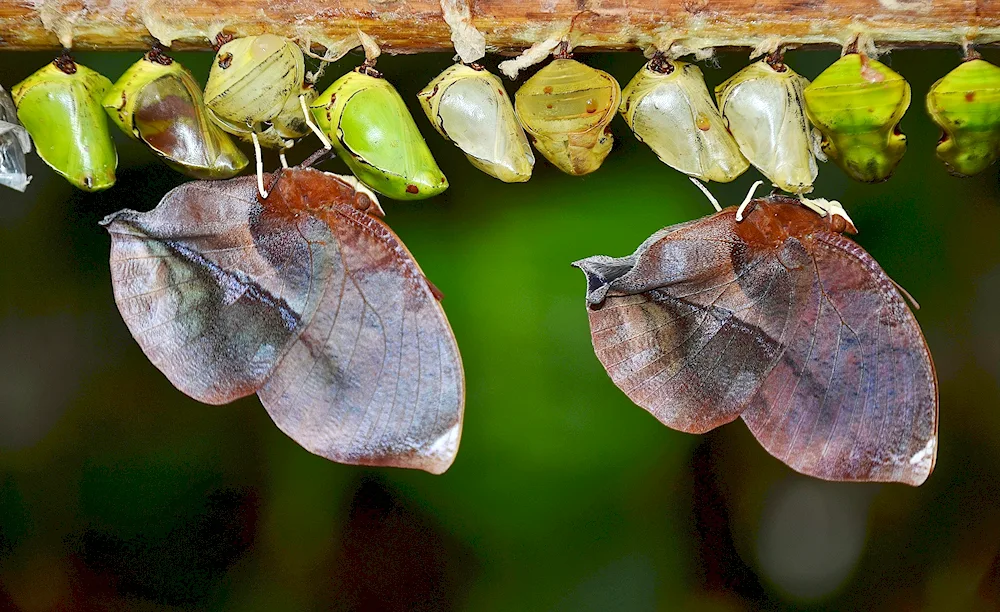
14,144
668,107
373,132
965,103
470,107
158,102
566,108
856,104
763,107
251,81
60,106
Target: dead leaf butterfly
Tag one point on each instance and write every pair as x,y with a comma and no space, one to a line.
780,319
306,298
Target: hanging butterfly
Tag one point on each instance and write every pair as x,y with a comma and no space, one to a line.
780,319
306,298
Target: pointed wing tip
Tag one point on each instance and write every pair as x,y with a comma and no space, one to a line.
115,216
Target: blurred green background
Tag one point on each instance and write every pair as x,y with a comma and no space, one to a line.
117,492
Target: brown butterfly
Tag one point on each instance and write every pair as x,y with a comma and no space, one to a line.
306,298
780,319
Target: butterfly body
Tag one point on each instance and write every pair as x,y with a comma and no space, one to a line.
306,298
781,320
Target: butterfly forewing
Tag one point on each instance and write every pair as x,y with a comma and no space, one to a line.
778,319
304,299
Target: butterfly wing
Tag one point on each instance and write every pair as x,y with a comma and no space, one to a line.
854,395
375,377
809,341
211,286
681,327
314,305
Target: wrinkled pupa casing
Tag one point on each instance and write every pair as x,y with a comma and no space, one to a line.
965,103
764,110
857,103
14,144
471,108
63,114
161,106
374,133
253,80
566,108
674,114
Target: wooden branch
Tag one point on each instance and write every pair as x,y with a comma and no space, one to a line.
409,26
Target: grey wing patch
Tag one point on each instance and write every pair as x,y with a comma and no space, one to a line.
683,332
375,378
208,290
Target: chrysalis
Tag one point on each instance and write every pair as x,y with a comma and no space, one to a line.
470,107
256,89
566,108
252,80
966,105
763,105
60,106
14,144
374,133
158,102
668,107
857,103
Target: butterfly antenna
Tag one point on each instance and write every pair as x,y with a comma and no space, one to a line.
747,200
316,158
708,194
906,294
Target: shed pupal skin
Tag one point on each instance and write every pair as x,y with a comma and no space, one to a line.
470,107
763,105
566,108
668,107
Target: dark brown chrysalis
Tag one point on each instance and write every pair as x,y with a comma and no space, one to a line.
780,319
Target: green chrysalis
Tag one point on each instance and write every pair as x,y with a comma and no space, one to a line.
60,106
856,104
374,133
158,102
966,105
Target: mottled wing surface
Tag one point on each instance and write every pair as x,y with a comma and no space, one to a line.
375,378
211,287
322,311
676,330
808,340
854,395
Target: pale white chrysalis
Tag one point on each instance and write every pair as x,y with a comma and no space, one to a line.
470,107
14,144
764,107
668,107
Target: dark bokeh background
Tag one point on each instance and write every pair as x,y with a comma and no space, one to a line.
117,492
